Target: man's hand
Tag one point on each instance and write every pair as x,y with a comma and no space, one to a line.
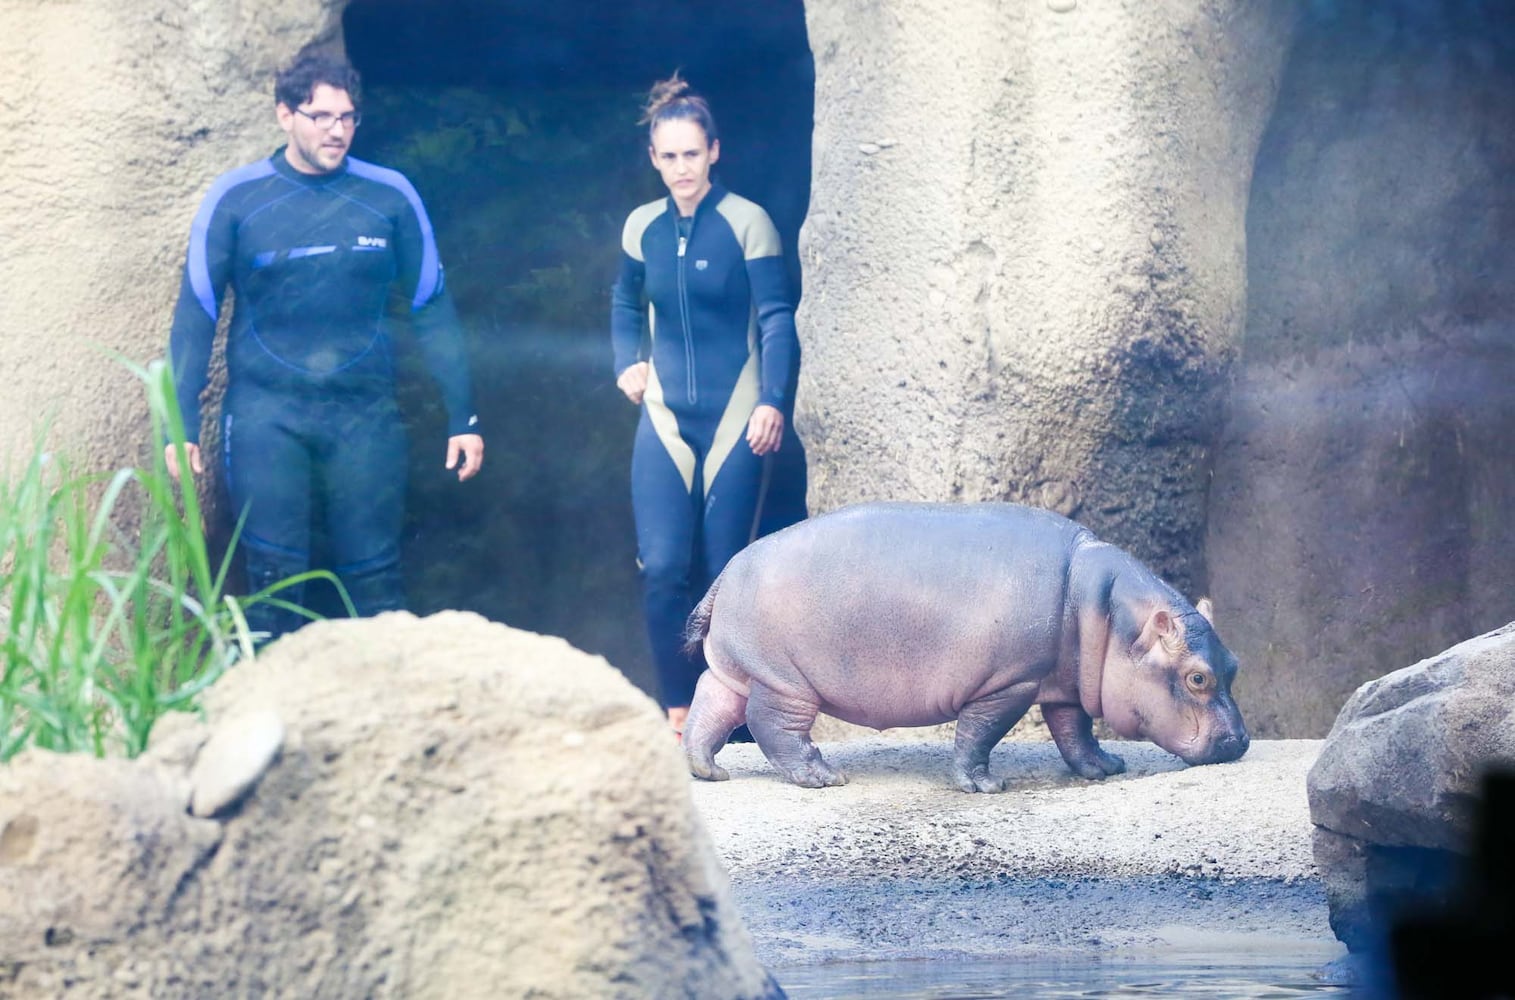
633,381
765,429
191,452
471,448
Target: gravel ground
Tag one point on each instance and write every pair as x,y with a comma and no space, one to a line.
899,864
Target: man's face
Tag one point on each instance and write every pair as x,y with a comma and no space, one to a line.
313,149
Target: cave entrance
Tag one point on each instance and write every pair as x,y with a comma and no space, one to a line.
516,121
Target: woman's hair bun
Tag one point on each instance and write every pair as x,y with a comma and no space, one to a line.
672,99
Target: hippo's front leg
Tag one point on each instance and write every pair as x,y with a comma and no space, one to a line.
781,726
980,726
1073,732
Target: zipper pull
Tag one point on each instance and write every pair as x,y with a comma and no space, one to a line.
683,242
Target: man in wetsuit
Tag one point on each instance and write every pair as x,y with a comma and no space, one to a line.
318,248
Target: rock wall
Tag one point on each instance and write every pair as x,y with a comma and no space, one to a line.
1026,256
1360,517
114,120
458,809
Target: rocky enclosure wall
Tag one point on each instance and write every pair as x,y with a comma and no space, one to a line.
114,119
1025,254
1361,514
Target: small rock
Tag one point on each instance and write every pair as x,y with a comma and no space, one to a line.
868,148
1061,6
233,760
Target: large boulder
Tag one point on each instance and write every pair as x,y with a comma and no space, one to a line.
1393,795
455,809
1026,255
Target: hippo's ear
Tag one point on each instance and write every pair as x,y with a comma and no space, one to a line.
1168,629
1206,610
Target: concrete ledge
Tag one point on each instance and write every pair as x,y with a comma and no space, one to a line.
899,864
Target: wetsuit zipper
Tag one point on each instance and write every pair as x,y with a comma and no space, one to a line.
694,394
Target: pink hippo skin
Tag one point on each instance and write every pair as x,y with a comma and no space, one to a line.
898,614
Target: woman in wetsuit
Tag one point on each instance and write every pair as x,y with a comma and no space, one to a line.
702,280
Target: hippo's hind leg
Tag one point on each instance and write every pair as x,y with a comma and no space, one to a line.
781,726
715,711
982,724
1073,732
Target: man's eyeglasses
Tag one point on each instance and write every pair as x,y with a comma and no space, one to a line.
324,120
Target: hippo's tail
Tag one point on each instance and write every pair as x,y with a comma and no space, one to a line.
698,625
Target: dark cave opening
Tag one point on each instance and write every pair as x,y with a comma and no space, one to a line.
517,123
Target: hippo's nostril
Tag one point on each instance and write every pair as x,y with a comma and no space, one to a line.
1233,745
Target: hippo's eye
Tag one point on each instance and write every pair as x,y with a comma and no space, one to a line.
1198,680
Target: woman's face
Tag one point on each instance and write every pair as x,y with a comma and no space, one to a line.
683,156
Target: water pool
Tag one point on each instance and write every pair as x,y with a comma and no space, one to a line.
1250,977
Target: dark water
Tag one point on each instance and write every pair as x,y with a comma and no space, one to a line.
1261,977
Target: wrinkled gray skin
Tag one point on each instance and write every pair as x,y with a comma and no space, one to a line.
897,614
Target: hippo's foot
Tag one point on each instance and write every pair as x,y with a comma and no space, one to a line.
1110,763
982,724
781,725
706,768
978,779
1096,766
814,773
1073,731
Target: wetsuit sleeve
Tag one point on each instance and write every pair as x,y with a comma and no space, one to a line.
433,316
775,313
626,307
207,269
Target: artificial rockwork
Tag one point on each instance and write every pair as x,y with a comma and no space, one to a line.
1360,517
115,119
1025,256
394,807
1394,793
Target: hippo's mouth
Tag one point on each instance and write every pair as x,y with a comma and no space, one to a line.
1220,749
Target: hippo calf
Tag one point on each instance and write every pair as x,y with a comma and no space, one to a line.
913,614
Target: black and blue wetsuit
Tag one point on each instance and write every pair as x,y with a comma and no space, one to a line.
712,290
316,262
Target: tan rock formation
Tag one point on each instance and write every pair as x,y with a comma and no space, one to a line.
115,119
458,810
1025,253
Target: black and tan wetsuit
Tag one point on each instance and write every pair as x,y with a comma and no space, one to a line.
712,292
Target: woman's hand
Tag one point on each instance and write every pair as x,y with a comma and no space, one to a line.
633,381
765,429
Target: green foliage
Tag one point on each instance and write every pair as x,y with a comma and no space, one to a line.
101,634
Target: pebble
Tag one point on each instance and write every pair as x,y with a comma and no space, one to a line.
233,760
1061,6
